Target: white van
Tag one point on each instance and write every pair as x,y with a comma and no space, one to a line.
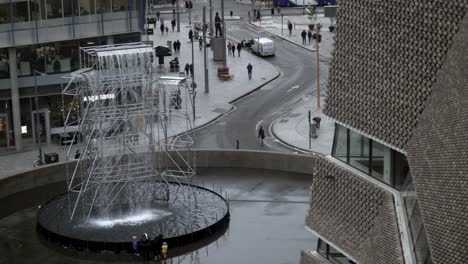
263,47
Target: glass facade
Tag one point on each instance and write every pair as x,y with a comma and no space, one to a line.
331,254
370,157
54,58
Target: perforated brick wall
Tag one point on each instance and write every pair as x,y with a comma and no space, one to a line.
354,214
438,157
385,62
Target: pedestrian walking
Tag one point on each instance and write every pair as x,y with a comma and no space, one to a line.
233,49
178,46
190,35
167,30
261,134
272,11
309,35
187,70
173,24
290,27
157,15
156,245
191,70
259,16
145,246
239,47
200,43
162,28
218,25
229,48
174,45
303,35
249,70
237,144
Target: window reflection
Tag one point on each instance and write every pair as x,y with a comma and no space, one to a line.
4,13
370,157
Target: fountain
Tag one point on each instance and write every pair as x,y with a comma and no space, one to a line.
127,180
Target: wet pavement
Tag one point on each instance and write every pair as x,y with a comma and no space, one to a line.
268,211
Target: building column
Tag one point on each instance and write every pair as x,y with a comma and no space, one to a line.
15,99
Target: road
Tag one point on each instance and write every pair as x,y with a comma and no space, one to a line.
261,108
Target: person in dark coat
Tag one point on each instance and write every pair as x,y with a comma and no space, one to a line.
218,25
303,35
309,35
249,70
191,70
233,49
178,46
261,134
162,27
187,70
237,144
174,45
200,43
239,47
156,245
173,24
290,27
144,246
190,35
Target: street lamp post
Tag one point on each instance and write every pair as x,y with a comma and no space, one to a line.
38,132
207,88
178,16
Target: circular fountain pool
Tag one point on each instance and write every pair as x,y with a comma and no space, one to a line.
191,213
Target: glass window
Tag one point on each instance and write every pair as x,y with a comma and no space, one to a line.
38,9
322,248
4,13
70,8
119,5
54,9
359,151
103,6
340,141
87,7
377,164
4,64
21,11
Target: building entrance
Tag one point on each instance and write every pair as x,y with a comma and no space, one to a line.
4,131
43,126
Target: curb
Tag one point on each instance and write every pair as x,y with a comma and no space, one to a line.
286,144
255,89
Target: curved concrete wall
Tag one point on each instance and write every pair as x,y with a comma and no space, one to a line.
204,159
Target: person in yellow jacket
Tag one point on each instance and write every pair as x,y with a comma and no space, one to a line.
164,250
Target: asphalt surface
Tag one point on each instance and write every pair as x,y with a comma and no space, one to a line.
261,108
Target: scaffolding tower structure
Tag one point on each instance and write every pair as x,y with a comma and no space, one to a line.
123,129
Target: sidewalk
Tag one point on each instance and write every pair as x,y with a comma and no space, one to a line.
208,105
272,24
293,128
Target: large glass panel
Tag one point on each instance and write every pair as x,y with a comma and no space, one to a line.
21,11
38,9
379,152
322,248
54,9
359,151
87,7
70,8
119,5
103,6
4,13
4,64
340,148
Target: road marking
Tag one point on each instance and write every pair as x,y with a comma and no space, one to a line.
293,88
